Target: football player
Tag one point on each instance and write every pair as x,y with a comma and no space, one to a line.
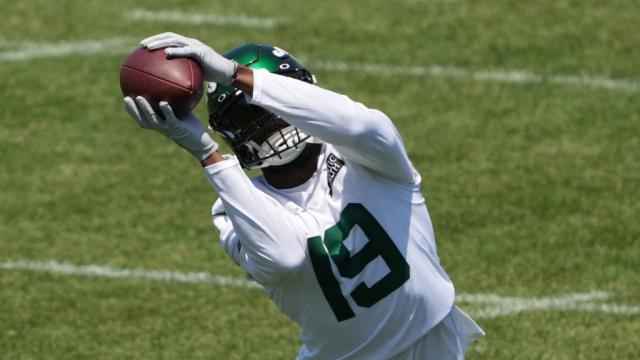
336,230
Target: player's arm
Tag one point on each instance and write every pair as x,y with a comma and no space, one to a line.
242,255
363,135
271,238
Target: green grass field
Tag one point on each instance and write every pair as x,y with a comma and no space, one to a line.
522,116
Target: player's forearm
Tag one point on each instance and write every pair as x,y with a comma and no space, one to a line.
327,115
365,135
330,116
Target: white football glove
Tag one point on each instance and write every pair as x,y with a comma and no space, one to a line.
216,68
187,132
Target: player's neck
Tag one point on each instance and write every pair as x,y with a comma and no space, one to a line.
297,172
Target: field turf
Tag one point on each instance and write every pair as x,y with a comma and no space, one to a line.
522,117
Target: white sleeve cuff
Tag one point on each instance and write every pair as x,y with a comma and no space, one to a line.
214,172
229,161
258,76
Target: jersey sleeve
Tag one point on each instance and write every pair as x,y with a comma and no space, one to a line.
267,240
229,240
364,136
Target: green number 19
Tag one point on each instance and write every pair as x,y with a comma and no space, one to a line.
349,265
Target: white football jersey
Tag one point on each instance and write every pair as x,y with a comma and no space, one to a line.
349,255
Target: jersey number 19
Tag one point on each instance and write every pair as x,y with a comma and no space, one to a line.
348,265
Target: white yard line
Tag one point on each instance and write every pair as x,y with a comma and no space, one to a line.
497,306
32,50
65,268
200,18
494,305
614,309
491,299
23,51
492,75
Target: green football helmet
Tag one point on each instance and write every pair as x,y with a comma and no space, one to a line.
258,137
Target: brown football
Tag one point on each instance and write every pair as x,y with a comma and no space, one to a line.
148,73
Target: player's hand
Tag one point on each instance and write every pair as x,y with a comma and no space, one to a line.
216,67
187,131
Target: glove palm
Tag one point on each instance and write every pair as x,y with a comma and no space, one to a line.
187,132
